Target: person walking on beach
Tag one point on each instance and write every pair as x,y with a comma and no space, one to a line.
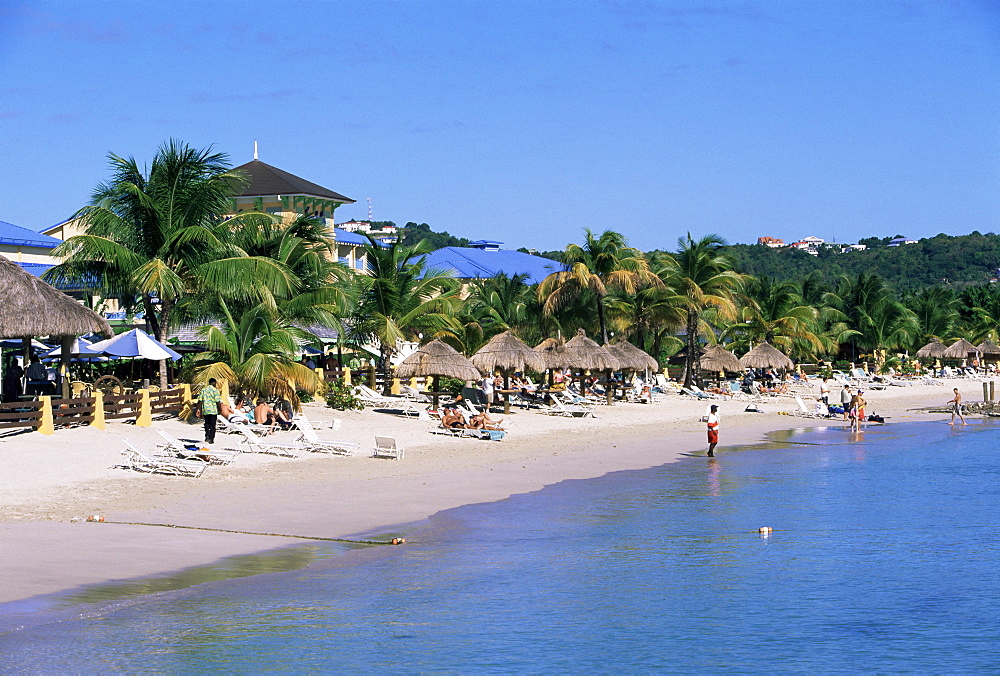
713,429
845,401
824,391
956,407
208,402
857,411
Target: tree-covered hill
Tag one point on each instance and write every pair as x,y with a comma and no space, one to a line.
958,261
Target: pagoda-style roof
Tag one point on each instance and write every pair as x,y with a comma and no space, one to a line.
263,179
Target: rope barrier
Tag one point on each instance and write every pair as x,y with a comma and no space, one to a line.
393,541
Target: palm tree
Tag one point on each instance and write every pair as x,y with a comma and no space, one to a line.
648,312
400,298
602,263
775,312
256,354
936,309
870,308
150,237
703,278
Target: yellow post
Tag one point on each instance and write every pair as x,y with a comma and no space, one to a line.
98,422
321,375
187,405
144,418
47,424
371,377
396,386
224,391
346,370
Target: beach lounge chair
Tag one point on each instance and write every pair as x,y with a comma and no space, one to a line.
370,397
386,447
803,411
140,461
566,410
257,444
233,428
697,394
311,439
414,395
195,452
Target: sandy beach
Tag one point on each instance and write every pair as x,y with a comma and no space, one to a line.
48,484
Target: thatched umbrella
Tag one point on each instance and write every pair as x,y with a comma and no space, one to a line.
554,352
765,356
989,349
932,350
585,354
960,349
29,307
507,353
719,359
436,359
639,359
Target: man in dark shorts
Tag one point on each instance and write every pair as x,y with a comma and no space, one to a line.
713,429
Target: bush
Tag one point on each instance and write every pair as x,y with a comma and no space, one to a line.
340,397
451,385
304,396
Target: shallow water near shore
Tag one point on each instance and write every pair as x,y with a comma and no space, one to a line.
884,557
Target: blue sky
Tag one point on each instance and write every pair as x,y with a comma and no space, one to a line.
528,121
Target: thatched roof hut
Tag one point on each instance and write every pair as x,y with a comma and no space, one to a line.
632,357
766,356
437,358
506,352
960,349
29,307
584,354
932,350
554,352
719,359
989,348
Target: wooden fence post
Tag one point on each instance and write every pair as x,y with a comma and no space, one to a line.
397,387
47,425
145,415
98,410
187,404
346,371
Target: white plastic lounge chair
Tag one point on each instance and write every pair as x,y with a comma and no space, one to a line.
140,461
697,394
568,411
803,411
411,393
256,444
215,457
386,447
233,428
370,397
317,445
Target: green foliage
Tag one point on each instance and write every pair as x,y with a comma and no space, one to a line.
414,233
451,385
961,261
305,396
341,397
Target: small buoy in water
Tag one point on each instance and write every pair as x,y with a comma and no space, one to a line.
95,518
765,529
398,541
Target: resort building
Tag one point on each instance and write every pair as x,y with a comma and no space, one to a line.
483,259
772,242
387,234
29,249
277,192
900,241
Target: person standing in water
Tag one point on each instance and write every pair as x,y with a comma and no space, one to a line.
713,429
845,401
956,407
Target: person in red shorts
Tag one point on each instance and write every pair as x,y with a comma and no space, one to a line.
713,430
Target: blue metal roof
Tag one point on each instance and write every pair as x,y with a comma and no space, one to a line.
18,236
39,269
469,263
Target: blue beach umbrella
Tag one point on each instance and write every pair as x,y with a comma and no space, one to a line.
136,343
80,350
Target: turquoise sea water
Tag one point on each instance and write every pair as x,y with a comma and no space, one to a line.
885,556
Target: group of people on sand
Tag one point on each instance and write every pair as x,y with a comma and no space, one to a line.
211,405
453,417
